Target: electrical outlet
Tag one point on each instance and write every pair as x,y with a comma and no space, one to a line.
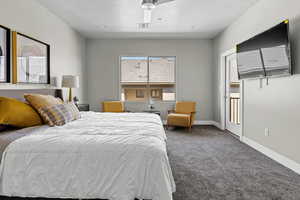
267,132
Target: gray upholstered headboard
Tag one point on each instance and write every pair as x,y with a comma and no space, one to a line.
19,93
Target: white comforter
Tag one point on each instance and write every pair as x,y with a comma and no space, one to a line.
102,155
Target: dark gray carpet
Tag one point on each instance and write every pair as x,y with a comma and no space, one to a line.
209,164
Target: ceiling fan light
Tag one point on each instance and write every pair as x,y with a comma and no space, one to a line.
148,6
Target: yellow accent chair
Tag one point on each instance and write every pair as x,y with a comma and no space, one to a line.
183,115
113,106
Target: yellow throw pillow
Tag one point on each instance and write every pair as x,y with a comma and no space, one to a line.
38,101
17,113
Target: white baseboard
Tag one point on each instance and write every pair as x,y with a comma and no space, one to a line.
273,155
202,122
217,124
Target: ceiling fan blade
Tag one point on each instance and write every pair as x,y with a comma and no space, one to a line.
163,1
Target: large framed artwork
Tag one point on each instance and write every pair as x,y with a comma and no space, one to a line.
4,54
31,60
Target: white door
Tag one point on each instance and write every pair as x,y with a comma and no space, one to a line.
232,95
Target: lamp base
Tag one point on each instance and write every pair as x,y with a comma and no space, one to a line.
70,94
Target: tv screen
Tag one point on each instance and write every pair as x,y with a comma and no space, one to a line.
265,55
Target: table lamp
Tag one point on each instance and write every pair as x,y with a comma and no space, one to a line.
70,81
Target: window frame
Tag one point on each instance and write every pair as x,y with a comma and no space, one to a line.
148,85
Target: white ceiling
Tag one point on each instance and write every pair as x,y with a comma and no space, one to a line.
120,18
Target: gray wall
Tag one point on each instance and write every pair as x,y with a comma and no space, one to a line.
275,106
67,46
194,70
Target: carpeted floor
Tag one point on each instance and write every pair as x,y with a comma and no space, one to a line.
209,164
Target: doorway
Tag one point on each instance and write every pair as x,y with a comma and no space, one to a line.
232,96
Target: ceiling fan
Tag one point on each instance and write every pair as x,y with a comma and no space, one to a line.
149,5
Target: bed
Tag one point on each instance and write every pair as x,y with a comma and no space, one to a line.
116,156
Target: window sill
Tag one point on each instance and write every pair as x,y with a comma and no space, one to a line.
173,101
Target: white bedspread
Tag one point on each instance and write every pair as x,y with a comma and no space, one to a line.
102,155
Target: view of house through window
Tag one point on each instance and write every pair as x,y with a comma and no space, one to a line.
145,78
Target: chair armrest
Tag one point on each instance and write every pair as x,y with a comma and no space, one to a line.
192,113
171,111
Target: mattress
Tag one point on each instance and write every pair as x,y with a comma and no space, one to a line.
116,156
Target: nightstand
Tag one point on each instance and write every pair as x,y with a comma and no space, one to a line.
152,111
83,107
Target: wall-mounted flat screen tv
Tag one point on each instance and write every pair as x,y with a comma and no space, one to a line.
265,55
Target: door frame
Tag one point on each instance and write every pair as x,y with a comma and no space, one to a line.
222,90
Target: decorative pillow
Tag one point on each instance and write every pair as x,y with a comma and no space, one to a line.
38,101
3,128
17,113
60,114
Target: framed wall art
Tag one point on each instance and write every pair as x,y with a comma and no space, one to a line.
4,54
31,60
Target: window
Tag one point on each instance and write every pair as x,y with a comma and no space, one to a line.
140,93
145,78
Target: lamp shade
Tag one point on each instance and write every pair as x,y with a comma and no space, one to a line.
70,81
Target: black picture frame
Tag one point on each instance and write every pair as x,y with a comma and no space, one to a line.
8,56
15,57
